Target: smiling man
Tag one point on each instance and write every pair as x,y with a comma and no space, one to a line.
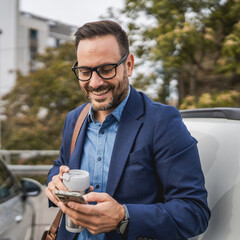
99,59
143,163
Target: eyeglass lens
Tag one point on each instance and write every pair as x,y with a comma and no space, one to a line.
106,71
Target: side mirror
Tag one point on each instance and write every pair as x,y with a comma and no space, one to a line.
31,187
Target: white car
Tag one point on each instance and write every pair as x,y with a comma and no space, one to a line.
218,133
16,210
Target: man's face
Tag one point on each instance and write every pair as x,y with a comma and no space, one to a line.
104,95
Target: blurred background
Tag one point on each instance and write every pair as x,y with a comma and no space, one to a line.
37,85
187,55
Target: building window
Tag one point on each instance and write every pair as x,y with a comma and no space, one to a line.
57,42
33,44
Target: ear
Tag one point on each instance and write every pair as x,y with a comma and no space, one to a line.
130,64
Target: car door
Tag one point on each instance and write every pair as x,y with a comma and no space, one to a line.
13,221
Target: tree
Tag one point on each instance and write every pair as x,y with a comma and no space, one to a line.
206,100
197,43
36,107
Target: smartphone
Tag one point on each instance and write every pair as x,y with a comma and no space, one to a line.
66,197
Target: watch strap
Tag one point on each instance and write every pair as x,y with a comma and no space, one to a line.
122,228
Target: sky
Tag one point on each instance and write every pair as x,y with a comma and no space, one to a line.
74,12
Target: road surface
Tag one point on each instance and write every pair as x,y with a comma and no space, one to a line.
44,215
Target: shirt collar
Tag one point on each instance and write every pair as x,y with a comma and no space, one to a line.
117,112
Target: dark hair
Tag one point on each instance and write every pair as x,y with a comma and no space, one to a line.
103,28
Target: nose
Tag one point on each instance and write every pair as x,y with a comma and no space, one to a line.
95,81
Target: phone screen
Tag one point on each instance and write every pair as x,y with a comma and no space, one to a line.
66,197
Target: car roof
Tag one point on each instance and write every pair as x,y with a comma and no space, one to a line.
227,113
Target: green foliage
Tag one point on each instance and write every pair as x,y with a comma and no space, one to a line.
198,43
36,107
206,100
36,159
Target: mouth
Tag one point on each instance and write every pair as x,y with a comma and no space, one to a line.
101,92
100,95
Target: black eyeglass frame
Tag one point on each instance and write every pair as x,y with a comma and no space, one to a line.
115,65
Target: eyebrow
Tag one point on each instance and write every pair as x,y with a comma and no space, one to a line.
97,65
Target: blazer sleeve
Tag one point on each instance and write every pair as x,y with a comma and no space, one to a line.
184,213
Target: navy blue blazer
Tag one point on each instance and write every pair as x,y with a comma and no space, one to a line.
155,170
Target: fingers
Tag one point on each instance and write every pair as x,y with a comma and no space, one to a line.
57,179
97,197
84,219
56,184
51,196
102,217
91,197
91,188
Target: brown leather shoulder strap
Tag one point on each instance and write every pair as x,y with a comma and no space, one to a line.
52,233
78,126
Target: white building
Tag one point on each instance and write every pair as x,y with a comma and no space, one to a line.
22,35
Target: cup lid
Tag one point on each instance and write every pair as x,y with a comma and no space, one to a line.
75,174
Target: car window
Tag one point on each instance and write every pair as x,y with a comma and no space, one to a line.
9,186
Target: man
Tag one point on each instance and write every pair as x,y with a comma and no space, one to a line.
143,163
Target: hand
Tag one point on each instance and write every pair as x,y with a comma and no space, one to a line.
100,218
56,184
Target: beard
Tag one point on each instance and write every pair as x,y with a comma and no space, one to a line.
117,93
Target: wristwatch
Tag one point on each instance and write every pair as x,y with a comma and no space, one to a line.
122,226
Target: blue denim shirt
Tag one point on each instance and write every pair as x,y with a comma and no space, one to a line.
97,152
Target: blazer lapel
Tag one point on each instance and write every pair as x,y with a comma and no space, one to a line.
127,131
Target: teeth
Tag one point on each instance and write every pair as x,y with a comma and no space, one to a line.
100,92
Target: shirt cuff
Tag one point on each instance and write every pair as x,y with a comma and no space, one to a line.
126,212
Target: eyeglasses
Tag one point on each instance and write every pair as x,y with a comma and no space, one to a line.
105,71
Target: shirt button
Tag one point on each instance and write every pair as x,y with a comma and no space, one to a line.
102,131
97,186
99,159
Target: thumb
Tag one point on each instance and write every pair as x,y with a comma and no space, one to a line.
96,197
63,169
